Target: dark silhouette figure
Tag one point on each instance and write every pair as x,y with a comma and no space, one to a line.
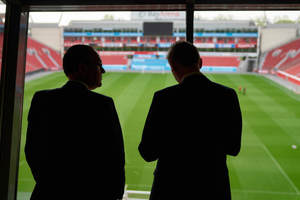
190,129
244,91
74,143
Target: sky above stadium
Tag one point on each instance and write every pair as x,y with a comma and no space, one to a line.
66,17
63,18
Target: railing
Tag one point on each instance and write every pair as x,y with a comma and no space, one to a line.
136,195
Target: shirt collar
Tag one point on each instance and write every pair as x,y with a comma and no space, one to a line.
190,74
80,82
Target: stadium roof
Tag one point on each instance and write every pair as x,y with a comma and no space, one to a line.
282,26
105,5
110,24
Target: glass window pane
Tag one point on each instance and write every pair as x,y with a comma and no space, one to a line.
266,45
2,21
126,41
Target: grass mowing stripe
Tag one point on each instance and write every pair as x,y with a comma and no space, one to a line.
282,109
127,97
274,193
280,168
231,82
118,84
273,95
279,131
285,91
234,172
131,120
108,82
265,192
234,175
280,143
142,172
134,125
170,80
46,82
254,173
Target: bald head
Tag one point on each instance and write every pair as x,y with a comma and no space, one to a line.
82,63
79,54
184,59
183,53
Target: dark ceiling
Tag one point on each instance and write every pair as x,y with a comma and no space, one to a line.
140,5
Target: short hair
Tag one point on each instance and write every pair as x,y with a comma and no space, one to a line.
183,53
75,55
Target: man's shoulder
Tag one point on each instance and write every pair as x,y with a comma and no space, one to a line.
167,91
99,96
60,91
47,92
217,87
221,87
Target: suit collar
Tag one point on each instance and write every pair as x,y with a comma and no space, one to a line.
190,74
76,85
195,77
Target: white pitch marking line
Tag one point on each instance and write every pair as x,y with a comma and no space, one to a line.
233,190
277,164
263,192
135,199
280,169
137,192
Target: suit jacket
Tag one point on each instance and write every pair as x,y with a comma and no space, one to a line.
74,145
189,130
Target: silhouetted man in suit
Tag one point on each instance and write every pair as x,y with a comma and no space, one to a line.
190,129
74,143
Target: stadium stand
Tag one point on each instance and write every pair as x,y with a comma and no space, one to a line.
146,62
129,40
221,61
225,43
284,61
295,70
32,63
281,57
39,56
150,64
70,41
210,36
114,62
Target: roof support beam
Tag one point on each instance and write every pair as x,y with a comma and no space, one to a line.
190,21
11,97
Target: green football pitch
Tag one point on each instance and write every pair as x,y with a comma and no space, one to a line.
267,168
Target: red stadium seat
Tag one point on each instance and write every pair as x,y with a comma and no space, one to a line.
230,61
114,59
295,70
39,56
46,56
284,61
282,57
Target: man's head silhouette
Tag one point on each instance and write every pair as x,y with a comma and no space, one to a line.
82,63
184,59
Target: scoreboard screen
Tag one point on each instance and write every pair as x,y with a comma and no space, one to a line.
158,28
